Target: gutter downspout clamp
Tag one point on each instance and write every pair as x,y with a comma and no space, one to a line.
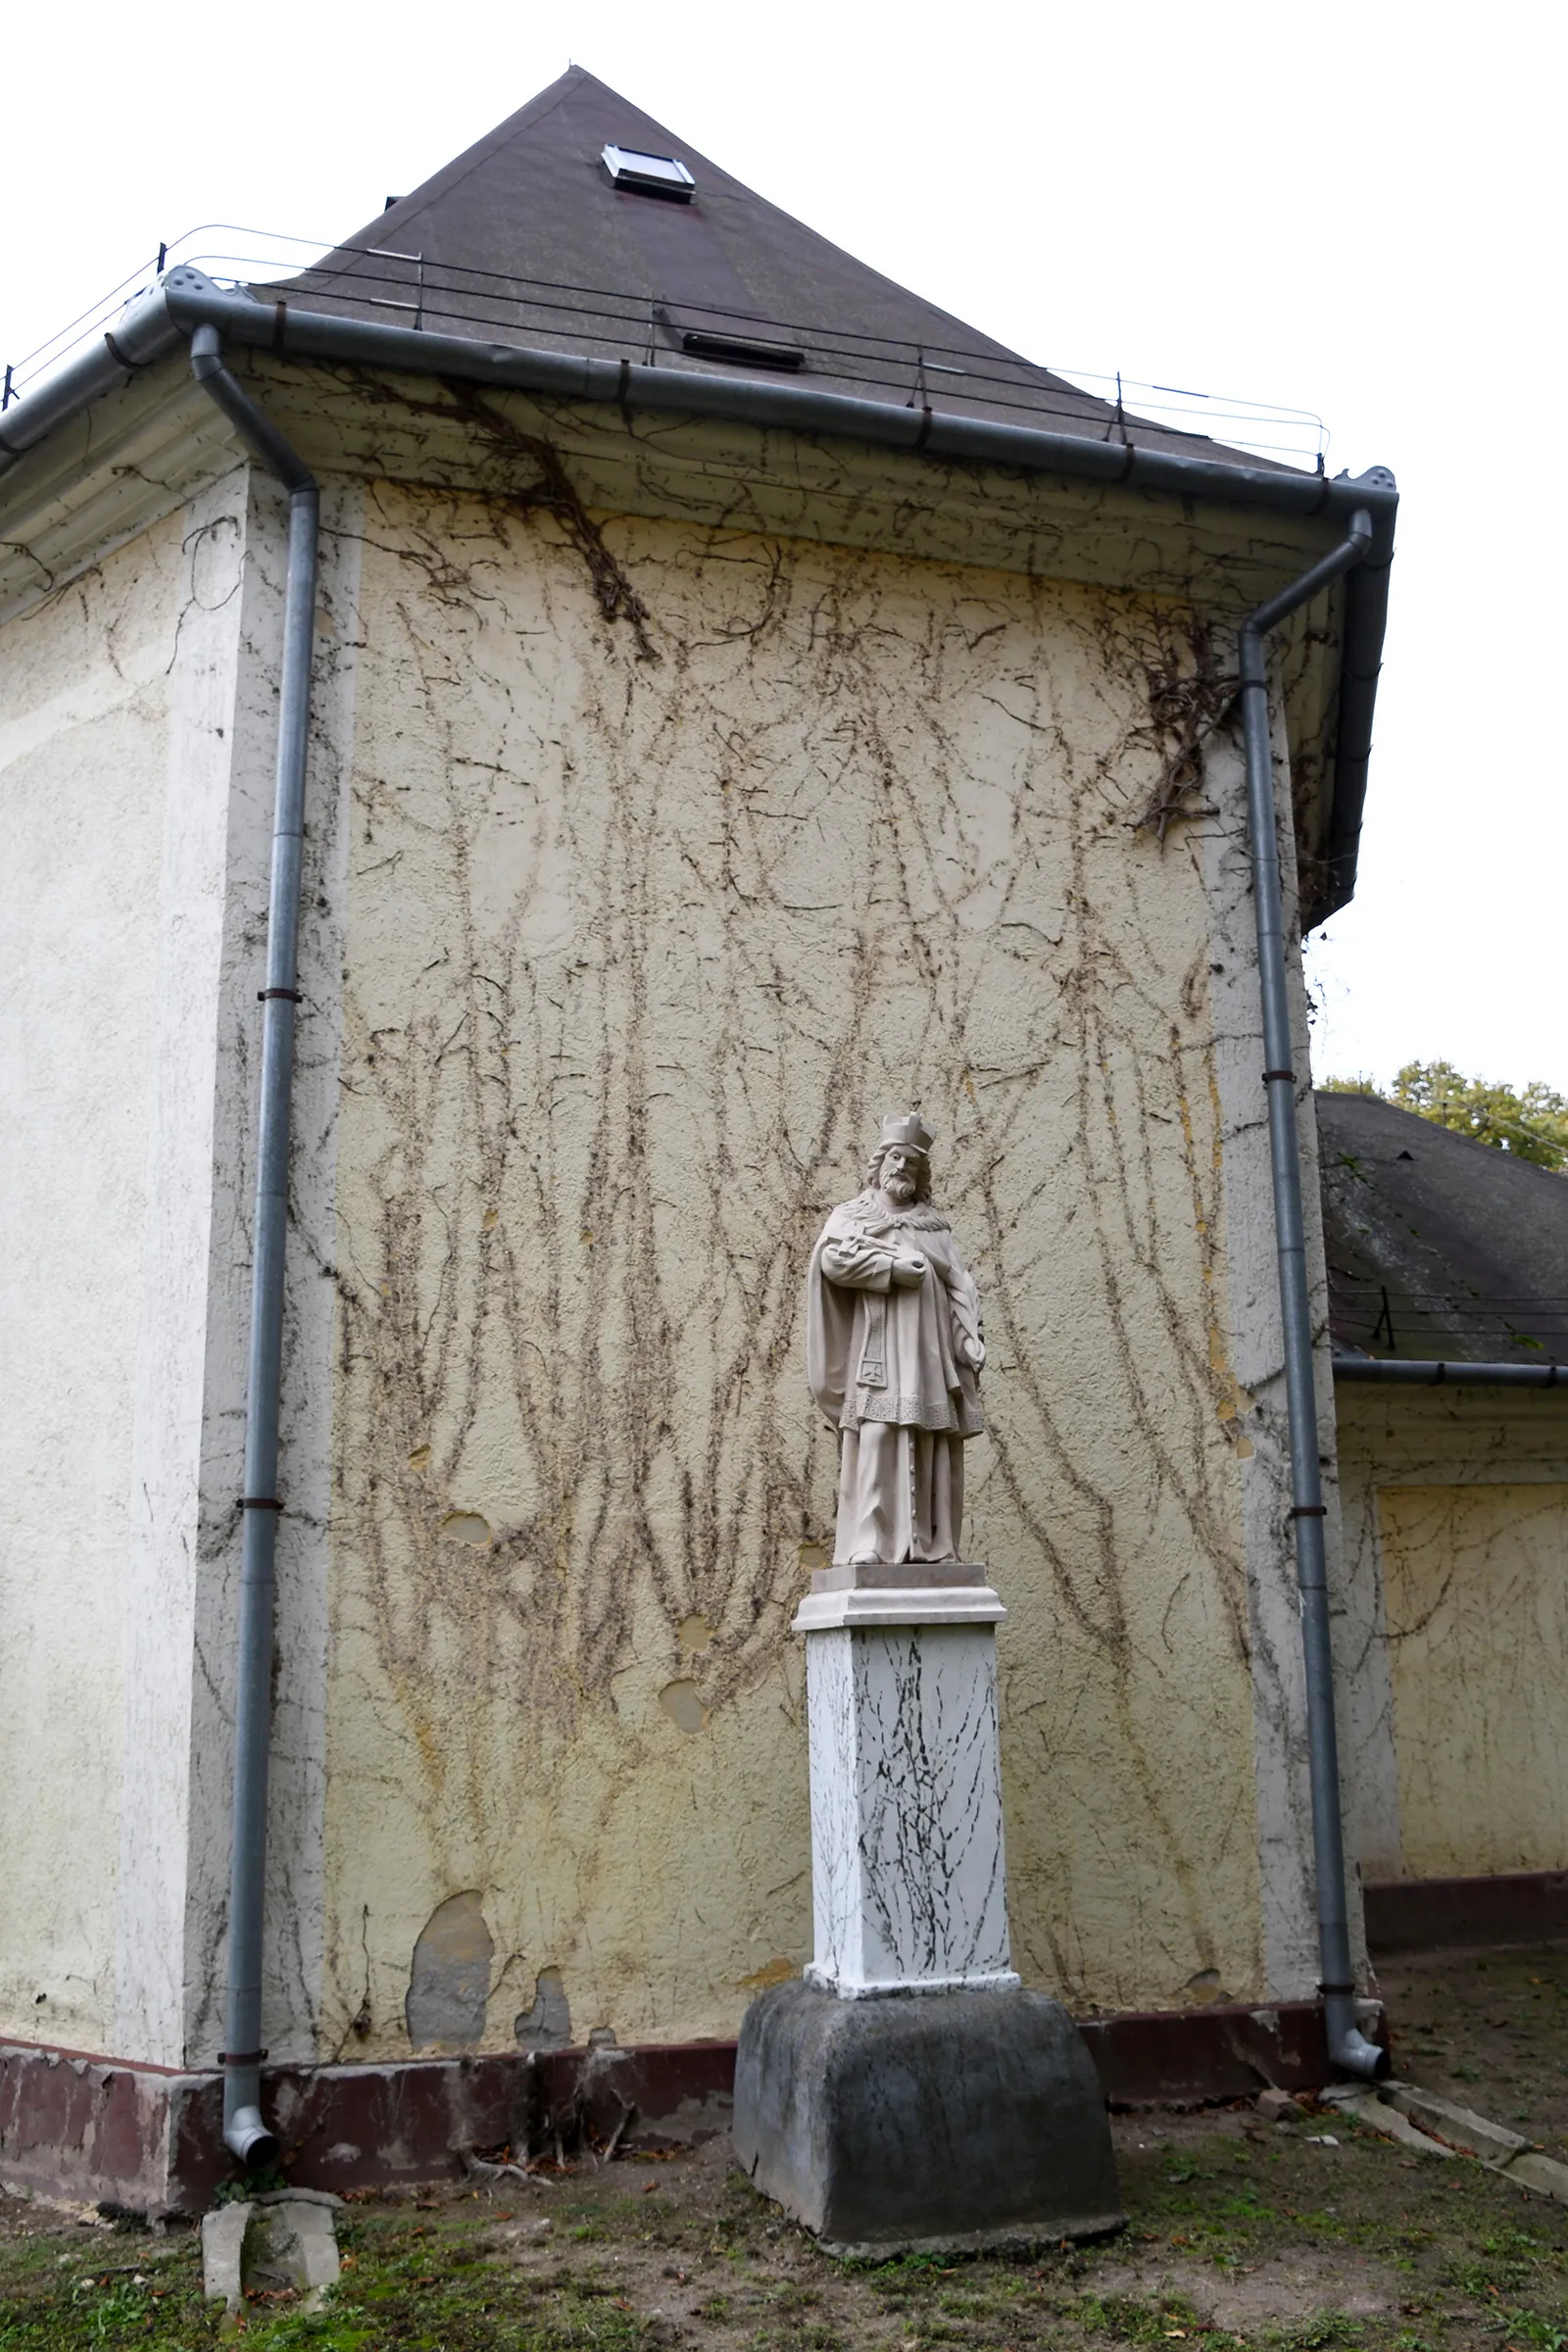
1348,2047
245,2133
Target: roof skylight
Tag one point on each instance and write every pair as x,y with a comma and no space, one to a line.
649,175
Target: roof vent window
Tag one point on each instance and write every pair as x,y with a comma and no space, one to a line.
742,350
649,175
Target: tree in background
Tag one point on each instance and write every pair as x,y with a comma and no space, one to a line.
1532,1125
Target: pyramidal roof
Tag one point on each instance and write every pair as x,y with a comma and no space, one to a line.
528,239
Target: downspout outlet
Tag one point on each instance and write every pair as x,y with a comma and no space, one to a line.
247,2137
1348,2047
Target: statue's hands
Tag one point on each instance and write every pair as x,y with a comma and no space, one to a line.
908,1270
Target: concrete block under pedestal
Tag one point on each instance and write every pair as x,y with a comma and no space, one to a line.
926,2122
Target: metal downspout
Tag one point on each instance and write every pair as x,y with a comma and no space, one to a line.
1349,2046
245,2132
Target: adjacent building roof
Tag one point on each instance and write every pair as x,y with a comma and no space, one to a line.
528,238
1439,1246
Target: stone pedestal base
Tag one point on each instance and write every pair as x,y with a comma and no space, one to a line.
927,2122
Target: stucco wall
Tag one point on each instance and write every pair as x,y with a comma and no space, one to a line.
1455,1714
84,774
137,753
1477,1604
210,917
648,920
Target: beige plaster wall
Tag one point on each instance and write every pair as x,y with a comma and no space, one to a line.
1476,1604
1453,1698
84,775
647,918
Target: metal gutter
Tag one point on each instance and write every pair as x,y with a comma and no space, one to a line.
1418,1372
142,333
185,299
245,2132
1349,2046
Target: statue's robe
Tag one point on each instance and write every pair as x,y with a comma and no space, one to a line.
895,1371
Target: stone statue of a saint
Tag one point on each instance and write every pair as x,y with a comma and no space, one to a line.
893,1350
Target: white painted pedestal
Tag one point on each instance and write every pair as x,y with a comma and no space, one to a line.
909,1877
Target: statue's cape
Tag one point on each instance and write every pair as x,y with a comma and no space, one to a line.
830,1309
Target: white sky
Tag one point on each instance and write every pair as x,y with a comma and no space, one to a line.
1353,208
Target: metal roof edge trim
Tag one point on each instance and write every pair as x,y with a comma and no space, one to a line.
186,299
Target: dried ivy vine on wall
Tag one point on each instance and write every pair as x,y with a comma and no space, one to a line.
1189,694
553,492
642,955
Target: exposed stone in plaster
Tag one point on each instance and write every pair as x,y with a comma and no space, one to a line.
467,1527
682,1703
547,2026
449,1983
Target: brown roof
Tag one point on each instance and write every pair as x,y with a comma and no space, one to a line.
526,240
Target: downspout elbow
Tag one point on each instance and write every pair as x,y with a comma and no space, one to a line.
256,429
247,2137
1348,2047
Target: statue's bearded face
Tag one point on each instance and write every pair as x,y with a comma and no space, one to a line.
901,1175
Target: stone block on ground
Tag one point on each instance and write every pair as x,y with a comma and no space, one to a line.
283,2238
926,2122
223,2253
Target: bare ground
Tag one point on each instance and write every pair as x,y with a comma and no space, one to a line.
1239,2233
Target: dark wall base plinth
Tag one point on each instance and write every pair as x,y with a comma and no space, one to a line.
153,2141
1432,1914
95,2128
941,2121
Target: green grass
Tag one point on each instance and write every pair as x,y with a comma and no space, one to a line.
1301,2248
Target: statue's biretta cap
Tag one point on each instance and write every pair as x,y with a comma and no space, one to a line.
909,1130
